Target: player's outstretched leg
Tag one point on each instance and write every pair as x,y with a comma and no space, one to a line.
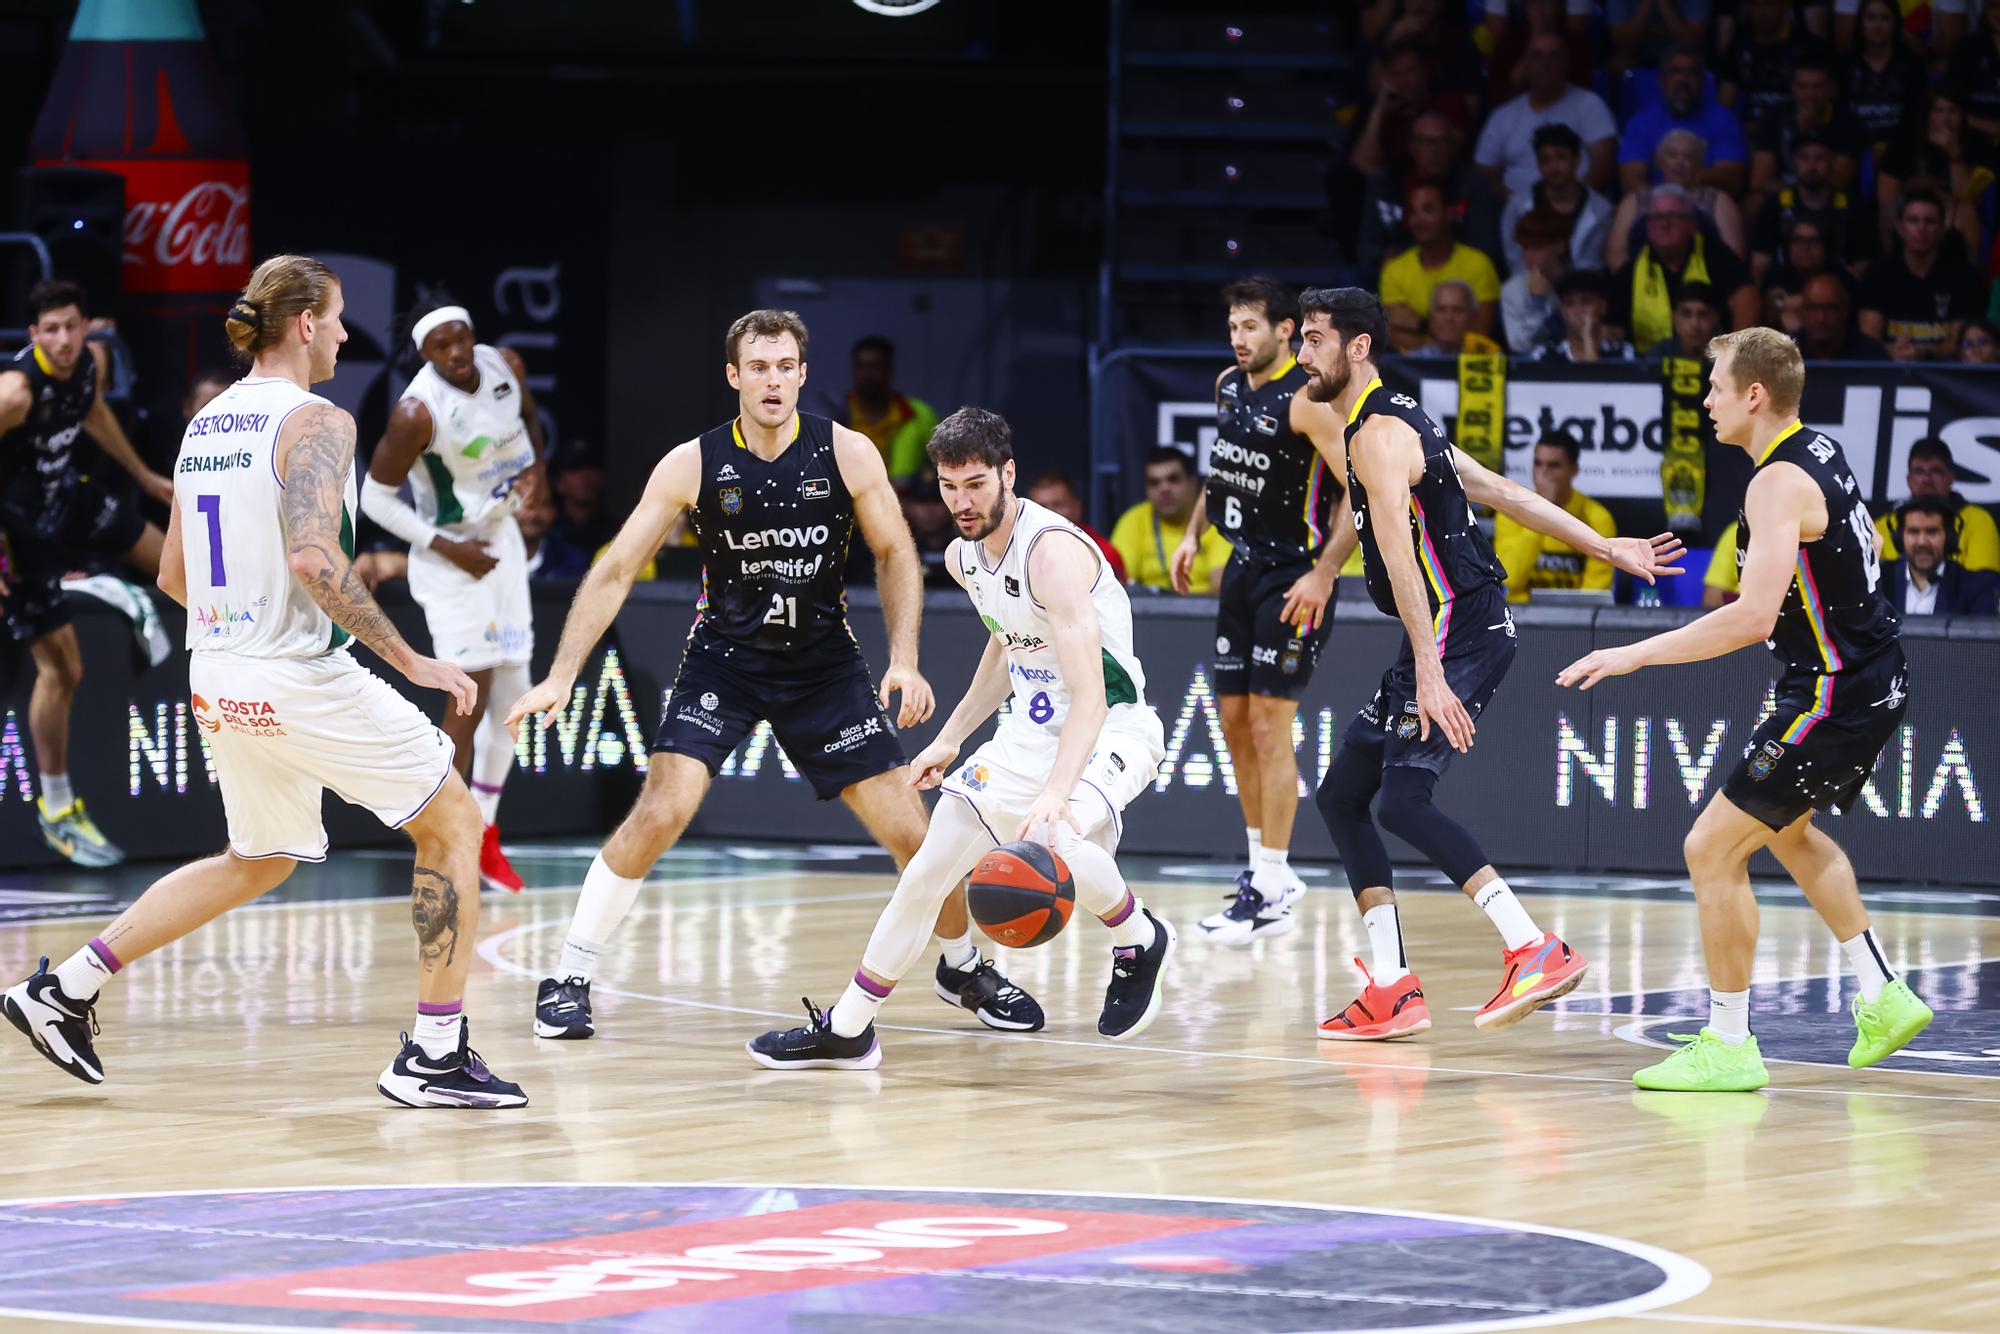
1887,1014
54,1008
1392,1004
437,1066
675,785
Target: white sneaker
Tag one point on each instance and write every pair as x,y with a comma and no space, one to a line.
1250,916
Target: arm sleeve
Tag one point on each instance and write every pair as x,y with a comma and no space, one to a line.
380,502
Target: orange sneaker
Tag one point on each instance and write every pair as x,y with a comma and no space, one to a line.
1380,1012
1533,976
495,872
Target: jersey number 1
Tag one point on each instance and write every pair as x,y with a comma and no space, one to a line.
212,507
784,611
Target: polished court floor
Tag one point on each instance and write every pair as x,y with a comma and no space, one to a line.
1225,1172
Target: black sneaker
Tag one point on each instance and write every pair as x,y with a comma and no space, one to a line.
562,1008
59,1027
985,991
416,1079
1132,1001
815,1046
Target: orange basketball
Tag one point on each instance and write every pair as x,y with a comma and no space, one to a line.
1021,894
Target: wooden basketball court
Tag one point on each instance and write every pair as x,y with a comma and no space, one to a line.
242,1061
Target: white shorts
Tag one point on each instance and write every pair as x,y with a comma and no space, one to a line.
478,623
1003,777
283,730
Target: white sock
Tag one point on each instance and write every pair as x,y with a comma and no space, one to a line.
1871,967
82,974
1729,1015
607,897
1256,843
1385,937
1507,915
492,760
438,1034
1101,890
1271,872
958,951
56,794
857,1006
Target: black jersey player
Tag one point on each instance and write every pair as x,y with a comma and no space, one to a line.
774,496
1810,575
52,517
1272,495
1410,492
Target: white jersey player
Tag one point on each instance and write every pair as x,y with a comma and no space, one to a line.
259,550
467,438
1077,745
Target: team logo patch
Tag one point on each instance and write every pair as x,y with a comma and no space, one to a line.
732,499
1294,650
975,776
1265,425
1011,584
710,701
815,488
502,390
1765,760
1408,724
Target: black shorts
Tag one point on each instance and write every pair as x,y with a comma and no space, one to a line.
1256,653
103,523
1816,750
1479,644
821,705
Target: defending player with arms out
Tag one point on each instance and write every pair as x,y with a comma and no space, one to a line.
1411,492
1272,496
774,496
262,520
1077,746
469,420
51,516
1810,579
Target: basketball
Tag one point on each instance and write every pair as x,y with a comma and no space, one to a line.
1021,894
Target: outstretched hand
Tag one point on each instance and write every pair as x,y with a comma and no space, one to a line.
1599,665
1648,557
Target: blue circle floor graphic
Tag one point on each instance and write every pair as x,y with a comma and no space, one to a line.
821,1258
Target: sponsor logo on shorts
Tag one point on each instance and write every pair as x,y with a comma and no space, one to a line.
815,488
251,717
1765,760
707,722
1263,656
975,776
1116,763
732,499
853,736
204,715
710,700
1222,644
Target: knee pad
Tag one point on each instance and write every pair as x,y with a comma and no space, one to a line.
1407,812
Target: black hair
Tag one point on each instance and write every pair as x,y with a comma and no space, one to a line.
1933,505
875,343
1555,134
971,435
1171,454
1276,300
54,294
1352,311
1930,447
1564,441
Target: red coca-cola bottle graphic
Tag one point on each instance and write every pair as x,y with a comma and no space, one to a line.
137,93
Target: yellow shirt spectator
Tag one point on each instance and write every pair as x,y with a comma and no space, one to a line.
1147,548
1722,576
1537,561
1405,280
1978,538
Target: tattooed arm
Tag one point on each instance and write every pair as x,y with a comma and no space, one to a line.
315,459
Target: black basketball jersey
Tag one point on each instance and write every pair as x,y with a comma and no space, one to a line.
773,539
1835,615
1452,552
37,458
1269,492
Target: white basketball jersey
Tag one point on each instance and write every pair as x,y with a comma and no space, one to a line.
464,479
241,596
1005,601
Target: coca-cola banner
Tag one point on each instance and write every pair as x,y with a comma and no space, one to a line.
187,224
1876,410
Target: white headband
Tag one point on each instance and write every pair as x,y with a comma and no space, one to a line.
441,316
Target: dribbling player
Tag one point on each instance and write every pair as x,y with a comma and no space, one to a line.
262,521
1077,746
1411,493
1271,495
1811,589
774,496
470,422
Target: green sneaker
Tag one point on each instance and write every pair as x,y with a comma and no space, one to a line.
1707,1064
1882,1028
76,836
